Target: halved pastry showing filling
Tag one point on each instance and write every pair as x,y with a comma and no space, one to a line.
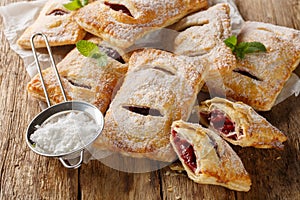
207,158
159,88
239,124
82,78
57,23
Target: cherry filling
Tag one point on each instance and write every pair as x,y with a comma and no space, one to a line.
112,53
58,12
119,7
222,123
248,74
139,110
186,151
78,84
143,110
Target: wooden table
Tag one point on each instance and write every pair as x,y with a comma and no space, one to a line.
25,175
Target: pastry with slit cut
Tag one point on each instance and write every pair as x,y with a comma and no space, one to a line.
201,37
158,89
123,22
82,79
207,158
57,23
239,124
258,78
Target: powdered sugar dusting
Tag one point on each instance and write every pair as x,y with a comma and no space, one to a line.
272,68
123,30
65,133
203,35
156,80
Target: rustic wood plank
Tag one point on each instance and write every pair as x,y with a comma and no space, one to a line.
275,174
178,186
25,175
111,184
284,13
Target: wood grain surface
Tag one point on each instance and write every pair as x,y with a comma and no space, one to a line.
25,175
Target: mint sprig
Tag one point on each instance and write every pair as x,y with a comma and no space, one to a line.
91,50
75,4
243,48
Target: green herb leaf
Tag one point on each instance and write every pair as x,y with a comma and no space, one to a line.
253,47
90,49
85,2
243,48
86,47
231,42
240,50
74,5
102,61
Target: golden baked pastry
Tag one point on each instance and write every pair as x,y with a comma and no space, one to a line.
259,77
57,23
239,124
202,31
82,79
207,158
158,89
201,37
123,22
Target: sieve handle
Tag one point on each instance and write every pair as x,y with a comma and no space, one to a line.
75,166
53,66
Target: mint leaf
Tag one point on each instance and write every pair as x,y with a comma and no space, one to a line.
253,47
243,48
231,42
75,4
99,56
90,49
102,60
86,47
240,50
85,2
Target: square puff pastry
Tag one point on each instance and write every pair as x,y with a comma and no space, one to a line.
202,31
158,89
121,23
259,77
82,79
57,23
239,124
201,37
207,158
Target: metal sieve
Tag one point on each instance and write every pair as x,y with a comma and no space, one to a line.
66,106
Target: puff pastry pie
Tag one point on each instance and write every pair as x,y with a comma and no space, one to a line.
258,78
82,79
239,124
158,89
201,37
57,23
207,158
123,22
